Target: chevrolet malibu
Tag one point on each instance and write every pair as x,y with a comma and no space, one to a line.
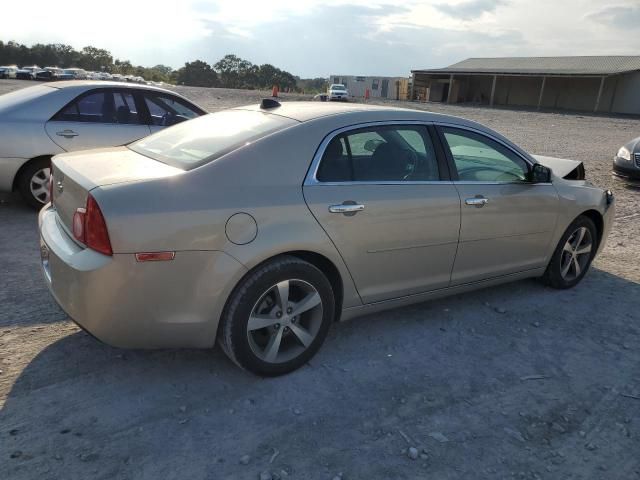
260,226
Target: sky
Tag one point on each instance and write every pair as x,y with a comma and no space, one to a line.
312,38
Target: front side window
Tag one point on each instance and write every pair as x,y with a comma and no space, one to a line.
380,154
480,159
166,110
104,106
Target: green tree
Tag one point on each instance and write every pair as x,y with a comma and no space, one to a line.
197,74
234,72
92,58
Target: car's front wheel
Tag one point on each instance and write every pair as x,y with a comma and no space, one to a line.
33,182
278,317
573,255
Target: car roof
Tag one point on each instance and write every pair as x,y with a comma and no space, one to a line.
306,111
105,84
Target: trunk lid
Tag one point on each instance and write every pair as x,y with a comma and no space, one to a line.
76,174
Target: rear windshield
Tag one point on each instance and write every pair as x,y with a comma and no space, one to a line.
199,141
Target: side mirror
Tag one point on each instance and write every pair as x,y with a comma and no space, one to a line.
540,174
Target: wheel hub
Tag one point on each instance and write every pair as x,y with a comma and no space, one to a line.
285,321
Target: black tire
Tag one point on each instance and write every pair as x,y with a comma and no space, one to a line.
24,181
553,275
233,333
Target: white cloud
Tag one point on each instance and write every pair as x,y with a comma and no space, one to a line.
311,37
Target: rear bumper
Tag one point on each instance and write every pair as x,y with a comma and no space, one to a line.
124,303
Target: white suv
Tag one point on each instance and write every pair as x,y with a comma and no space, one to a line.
337,91
8,71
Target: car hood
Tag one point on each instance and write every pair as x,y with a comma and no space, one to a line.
561,167
633,145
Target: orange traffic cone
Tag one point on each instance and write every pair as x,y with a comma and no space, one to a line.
366,94
274,91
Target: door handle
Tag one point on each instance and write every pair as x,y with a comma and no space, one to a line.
346,208
477,202
67,134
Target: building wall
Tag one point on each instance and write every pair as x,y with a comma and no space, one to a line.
620,94
627,95
357,86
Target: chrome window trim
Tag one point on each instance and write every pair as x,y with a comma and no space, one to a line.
311,179
480,182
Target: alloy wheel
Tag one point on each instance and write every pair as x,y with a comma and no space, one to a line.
576,254
39,185
285,321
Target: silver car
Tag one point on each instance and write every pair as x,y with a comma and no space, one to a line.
259,227
39,122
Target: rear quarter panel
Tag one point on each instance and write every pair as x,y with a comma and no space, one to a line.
190,211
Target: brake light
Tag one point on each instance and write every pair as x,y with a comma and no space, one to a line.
90,228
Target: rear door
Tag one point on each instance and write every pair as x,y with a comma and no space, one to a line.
383,196
507,221
98,118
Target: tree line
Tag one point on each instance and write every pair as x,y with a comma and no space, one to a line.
229,72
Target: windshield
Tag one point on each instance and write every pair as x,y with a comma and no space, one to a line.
338,87
202,140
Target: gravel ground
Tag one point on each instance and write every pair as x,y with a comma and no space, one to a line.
518,381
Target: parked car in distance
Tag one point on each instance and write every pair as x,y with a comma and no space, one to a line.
337,91
28,73
49,74
258,227
9,71
73,74
626,163
41,121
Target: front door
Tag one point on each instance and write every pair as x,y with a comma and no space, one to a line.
507,222
98,118
379,194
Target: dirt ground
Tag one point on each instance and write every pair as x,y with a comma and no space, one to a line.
518,381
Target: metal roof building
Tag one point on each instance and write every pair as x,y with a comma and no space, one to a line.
598,83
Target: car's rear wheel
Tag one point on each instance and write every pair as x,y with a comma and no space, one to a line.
33,182
278,317
573,255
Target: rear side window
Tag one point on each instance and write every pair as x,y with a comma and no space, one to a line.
103,106
202,140
166,110
401,153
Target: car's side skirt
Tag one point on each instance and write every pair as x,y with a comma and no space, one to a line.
352,312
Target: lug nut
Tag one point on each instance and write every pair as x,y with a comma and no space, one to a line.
289,310
278,314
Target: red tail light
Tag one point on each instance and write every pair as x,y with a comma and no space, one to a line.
90,228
